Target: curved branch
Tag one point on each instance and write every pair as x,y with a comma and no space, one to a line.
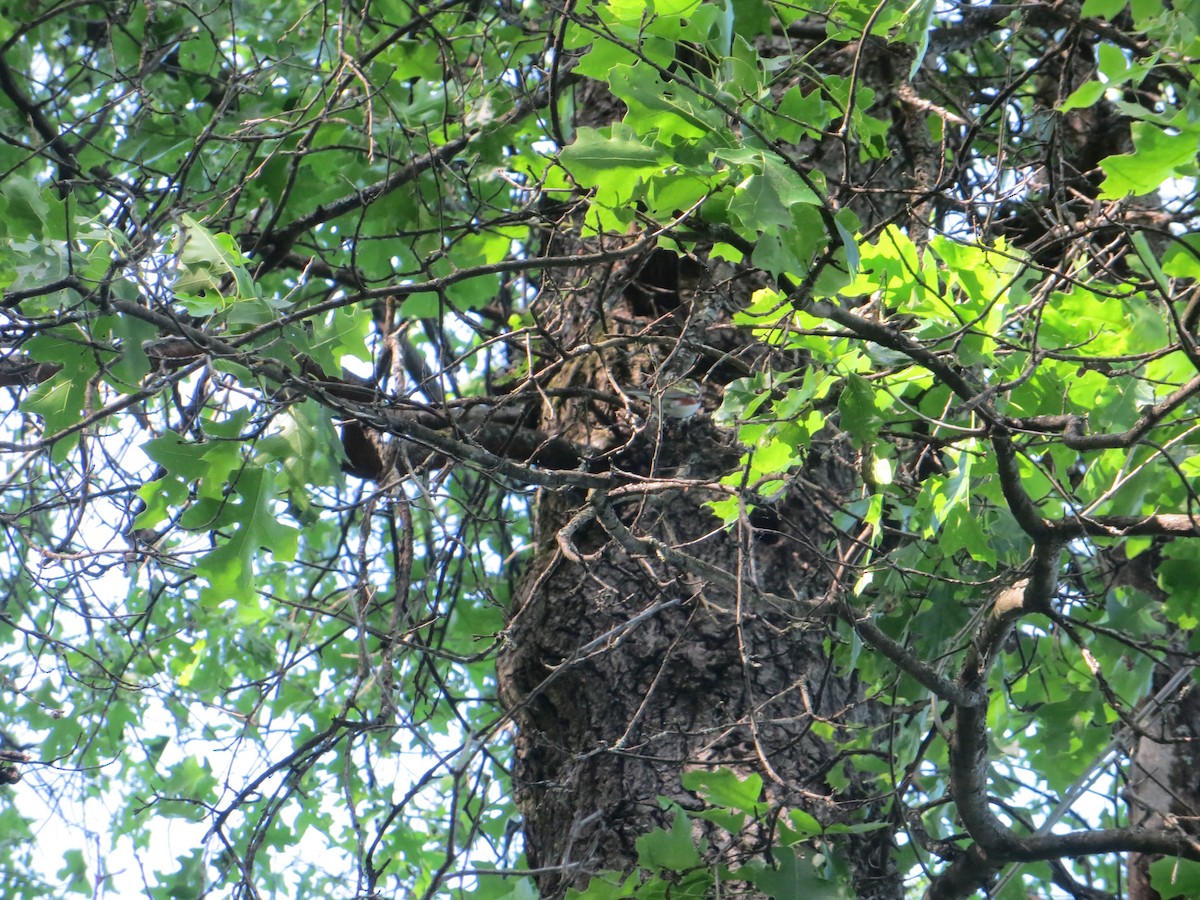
996,842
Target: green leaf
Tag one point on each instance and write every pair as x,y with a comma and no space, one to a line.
127,370
60,402
31,210
724,788
211,464
206,259
230,567
188,791
793,249
1086,95
1103,8
1182,258
768,197
668,110
188,882
609,886
794,877
1177,577
615,159
805,825
494,887
673,850
73,874
1173,877
728,511
1157,157
859,415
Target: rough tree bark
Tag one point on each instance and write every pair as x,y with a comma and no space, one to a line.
627,665
632,656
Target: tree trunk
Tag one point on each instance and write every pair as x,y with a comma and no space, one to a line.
625,670
626,667
632,657
1163,790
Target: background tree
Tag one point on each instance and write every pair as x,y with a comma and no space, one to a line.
644,449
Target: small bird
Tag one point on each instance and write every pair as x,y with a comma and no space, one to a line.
680,400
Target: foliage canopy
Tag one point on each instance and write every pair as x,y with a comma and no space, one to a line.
240,242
